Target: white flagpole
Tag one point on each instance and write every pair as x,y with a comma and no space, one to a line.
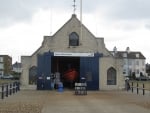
81,22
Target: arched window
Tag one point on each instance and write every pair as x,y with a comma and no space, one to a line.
111,76
73,39
33,75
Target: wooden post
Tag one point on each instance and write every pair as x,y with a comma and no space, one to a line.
16,86
143,89
10,89
137,88
2,91
132,87
6,90
13,87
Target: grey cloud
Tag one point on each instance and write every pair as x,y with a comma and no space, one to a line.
147,26
119,9
129,9
12,11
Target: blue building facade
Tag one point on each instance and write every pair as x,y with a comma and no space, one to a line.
88,66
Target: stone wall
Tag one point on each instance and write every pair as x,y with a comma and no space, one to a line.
105,64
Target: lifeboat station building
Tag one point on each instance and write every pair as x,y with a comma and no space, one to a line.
70,54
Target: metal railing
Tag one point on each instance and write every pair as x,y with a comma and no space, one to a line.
80,89
7,89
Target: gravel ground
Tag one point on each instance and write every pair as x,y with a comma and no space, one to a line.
66,102
24,102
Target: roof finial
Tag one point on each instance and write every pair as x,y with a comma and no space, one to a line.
74,6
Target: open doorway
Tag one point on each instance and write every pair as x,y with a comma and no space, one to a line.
68,68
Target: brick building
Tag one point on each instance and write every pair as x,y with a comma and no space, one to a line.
5,64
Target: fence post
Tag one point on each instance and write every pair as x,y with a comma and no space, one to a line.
132,87
137,88
10,89
18,86
13,87
143,89
2,91
6,90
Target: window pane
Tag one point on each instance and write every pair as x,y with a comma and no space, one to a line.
1,66
111,76
73,39
1,59
137,62
33,75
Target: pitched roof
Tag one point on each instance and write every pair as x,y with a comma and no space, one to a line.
17,65
74,16
130,55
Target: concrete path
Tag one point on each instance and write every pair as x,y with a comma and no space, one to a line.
67,102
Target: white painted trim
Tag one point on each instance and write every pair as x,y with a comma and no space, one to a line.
73,54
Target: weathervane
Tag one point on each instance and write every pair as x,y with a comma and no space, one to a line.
74,6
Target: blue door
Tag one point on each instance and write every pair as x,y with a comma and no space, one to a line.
89,69
44,71
40,70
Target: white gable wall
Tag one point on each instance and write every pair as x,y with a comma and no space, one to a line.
105,64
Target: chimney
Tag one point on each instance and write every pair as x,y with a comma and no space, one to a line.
128,50
115,49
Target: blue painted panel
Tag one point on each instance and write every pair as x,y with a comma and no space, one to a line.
40,73
44,71
47,70
89,68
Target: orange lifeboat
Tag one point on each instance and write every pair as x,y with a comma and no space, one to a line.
71,75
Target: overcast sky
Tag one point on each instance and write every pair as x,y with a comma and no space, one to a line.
122,23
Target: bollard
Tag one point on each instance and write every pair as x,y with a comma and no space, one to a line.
2,91
13,87
137,88
16,86
6,90
143,90
132,87
10,89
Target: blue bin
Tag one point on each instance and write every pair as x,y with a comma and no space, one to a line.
60,87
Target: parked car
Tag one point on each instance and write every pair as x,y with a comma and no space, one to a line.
7,77
143,78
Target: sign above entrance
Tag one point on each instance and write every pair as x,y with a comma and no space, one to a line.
74,54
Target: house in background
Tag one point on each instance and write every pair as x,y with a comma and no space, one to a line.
133,62
16,70
5,64
16,67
